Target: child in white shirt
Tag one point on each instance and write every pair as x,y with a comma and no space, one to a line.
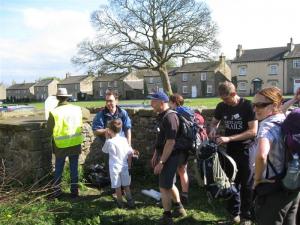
120,157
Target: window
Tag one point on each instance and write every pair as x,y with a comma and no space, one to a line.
296,63
115,83
242,70
108,84
184,77
100,84
203,76
209,89
101,92
184,89
273,70
242,86
76,88
151,80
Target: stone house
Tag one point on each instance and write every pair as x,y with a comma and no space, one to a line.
127,85
153,81
20,92
254,69
80,87
201,79
2,92
45,88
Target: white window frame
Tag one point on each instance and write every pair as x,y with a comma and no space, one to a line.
242,70
203,76
115,83
274,83
151,80
101,92
184,77
108,84
242,86
273,69
209,89
100,84
296,63
184,89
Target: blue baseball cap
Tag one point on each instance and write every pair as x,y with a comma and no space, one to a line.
160,95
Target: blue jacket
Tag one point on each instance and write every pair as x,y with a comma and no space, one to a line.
102,117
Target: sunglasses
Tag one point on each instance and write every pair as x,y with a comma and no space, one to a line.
261,104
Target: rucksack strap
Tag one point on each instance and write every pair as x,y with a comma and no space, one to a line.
233,163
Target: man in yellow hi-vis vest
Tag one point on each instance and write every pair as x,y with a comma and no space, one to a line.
65,123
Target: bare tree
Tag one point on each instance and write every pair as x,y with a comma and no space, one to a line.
146,34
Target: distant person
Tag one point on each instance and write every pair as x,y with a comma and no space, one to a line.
278,207
65,124
240,129
176,102
120,157
165,157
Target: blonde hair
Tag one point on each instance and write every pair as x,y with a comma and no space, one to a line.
273,94
226,88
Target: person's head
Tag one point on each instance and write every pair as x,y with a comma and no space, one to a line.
175,101
62,95
227,93
111,99
115,125
267,102
159,101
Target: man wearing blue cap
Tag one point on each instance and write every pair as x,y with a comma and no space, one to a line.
165,157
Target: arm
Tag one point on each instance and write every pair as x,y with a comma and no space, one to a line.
98,125
249,133
168,148
290,102
263,149
128,136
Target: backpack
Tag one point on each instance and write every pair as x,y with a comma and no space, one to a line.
291,142
191,130
217,170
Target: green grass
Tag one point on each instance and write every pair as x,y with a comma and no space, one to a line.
98,207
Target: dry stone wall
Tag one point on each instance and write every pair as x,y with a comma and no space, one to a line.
26,147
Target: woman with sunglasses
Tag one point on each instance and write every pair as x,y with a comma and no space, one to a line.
279,207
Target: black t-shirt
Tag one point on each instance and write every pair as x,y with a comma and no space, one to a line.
167,128
235,119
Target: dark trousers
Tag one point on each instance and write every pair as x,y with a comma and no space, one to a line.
59,167
277,209
241,202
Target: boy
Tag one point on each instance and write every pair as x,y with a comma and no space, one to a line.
120,157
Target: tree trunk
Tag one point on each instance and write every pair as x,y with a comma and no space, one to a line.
165,79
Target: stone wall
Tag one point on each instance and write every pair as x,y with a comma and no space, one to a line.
26,147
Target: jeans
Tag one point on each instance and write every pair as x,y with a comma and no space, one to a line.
241,202
59,167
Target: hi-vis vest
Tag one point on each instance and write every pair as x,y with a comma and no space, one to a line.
68,123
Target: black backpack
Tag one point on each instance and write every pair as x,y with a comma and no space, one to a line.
188,138
217,170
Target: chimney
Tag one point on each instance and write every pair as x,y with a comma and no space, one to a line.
290,45
68,74
239,51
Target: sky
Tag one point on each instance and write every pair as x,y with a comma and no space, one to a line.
38,38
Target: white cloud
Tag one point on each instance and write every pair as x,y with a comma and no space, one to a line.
53,38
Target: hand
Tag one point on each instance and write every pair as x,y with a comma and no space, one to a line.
158,168
222,140
212,133
297,95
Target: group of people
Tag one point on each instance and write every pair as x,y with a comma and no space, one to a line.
252,139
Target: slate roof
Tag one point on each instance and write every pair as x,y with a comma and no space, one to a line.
295,53
111,77
135,84
73,79
262,54
22,86
45,82
199,66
